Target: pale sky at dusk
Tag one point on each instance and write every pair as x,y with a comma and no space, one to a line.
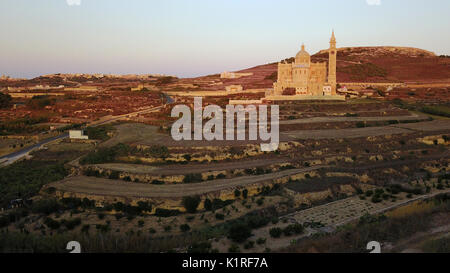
198,37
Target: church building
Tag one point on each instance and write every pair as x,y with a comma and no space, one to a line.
307,78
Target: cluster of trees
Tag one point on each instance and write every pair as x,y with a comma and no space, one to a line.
158,151
105,155
39,102
192,178
70,127
99,132
190,203
287,231
24,179
46,207
215,204
241,229
438,110
22,125
5,100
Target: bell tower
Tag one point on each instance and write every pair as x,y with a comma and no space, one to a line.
332,64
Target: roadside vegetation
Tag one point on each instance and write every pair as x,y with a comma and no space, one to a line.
99,132
105,155
23,125
442,110
437,110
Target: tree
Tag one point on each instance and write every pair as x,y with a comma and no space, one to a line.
185,227
275,232
207,204
159,151
190,203
237,193
245,193
5,100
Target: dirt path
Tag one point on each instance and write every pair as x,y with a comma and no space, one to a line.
436,125
108,187
178,169
351,119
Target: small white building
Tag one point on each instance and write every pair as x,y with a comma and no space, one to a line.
77,134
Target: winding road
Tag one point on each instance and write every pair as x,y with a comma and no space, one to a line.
13,157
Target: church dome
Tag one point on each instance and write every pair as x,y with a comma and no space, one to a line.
302,57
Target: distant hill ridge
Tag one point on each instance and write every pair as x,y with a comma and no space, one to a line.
366,64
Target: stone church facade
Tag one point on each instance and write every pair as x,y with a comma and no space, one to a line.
307,78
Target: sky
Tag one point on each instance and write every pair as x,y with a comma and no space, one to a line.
187,38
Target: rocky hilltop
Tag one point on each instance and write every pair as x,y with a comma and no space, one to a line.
366,64
382,50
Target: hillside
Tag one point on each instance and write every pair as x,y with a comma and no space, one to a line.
363,64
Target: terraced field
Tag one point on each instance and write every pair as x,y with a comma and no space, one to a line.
109,187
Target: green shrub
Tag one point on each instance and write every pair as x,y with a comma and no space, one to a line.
221,176
190,203
369,193
438,110
360,124
293,229
234,248
159,151
249,245
260,201
166,212
245,193
207,204
219,203
275,232
237,193
192,178
185,227
376,199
